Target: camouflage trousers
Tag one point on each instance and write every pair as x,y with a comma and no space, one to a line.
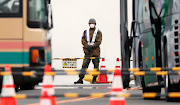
85,65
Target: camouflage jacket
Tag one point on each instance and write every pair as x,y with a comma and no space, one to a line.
96,46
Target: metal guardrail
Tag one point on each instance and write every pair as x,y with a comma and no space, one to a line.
101,95
90,73
153,69
75,95
132,71
80,58
77,58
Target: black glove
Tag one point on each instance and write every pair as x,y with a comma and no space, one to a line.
89,47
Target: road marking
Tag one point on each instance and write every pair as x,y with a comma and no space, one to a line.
77,86
79,99
73,100
86,98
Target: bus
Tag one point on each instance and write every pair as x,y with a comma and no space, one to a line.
25,42
154,42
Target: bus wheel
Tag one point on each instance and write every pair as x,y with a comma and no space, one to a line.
145,89
152,89
169,87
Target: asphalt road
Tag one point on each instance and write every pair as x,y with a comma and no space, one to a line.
87,89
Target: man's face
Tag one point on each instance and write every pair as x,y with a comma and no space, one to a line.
92,25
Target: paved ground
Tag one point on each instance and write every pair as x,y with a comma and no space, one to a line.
64,84
87,89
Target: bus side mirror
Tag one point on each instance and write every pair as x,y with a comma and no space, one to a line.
50,20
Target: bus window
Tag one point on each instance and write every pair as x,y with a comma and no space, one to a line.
159,5
140,15
163,7
37,13
146,15
10,8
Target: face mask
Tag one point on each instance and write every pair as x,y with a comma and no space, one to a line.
92,25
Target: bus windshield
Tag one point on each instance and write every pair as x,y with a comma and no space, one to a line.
10,8
165,8
37,13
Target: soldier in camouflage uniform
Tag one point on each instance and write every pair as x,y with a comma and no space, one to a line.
91,48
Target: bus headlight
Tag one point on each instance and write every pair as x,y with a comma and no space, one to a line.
37,56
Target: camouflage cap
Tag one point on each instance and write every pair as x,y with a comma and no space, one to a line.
92,20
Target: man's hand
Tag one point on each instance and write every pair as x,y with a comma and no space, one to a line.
89,47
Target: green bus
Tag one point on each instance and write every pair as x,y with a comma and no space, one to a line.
154,42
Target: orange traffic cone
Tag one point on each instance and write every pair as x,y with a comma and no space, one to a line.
117,88
47,92
118,64
8,90
103,77
45,100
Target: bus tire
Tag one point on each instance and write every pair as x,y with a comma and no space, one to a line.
168,86
171,88
152,89
156,89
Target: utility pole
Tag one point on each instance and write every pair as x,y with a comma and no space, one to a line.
125,44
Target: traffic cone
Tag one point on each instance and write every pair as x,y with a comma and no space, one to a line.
118,64
47,92
8,90
103,77
45,100
117,88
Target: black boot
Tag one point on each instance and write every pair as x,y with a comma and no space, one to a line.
94,80
80,81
